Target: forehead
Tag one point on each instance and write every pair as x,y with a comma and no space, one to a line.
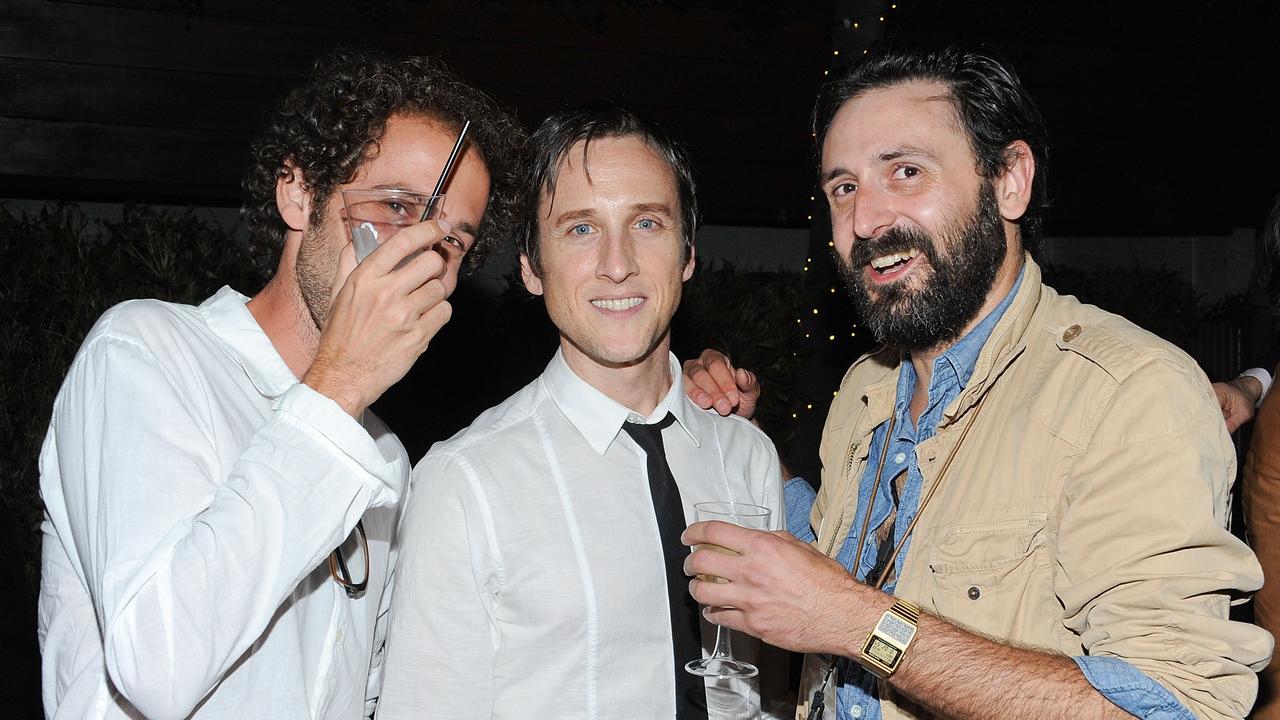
914,114
614,169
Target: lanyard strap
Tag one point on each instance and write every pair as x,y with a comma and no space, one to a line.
884,453
816,709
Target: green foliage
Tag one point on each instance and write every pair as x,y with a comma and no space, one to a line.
1160,301
751,316
58,272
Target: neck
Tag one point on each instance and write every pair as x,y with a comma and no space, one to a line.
282,314
922,360
639,386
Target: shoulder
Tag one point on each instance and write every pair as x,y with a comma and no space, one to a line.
498,430
151,327
1135,381
734,433
1115,345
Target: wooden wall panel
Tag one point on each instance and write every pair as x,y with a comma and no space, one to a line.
141,98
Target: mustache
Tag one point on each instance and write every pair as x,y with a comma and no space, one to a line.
893,240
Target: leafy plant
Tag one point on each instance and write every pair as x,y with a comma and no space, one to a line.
59,271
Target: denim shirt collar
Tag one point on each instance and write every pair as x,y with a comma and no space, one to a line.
953,369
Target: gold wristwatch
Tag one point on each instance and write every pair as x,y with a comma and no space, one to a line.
888,642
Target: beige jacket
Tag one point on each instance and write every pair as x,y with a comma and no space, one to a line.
1084,513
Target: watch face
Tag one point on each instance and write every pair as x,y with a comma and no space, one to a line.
882,651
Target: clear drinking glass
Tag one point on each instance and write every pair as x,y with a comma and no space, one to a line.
722,663
376,214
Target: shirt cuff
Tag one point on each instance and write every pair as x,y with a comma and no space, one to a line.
321,417
1130,690
1263,377
797,498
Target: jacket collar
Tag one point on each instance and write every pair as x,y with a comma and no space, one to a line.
1006,342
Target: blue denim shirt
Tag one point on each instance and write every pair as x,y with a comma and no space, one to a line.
856,691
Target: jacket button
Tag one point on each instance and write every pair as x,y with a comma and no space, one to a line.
974,592
1071,333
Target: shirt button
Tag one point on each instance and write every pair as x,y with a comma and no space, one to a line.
634,418
856,711
899,458
974,592
1071,333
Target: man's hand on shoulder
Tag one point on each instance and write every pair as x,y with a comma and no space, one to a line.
381,319
711,381
1237,399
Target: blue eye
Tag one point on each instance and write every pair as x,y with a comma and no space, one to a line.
646,224
580,229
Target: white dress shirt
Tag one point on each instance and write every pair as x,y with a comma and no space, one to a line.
193,491
531,581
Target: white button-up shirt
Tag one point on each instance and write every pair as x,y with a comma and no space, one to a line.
193,491
531,580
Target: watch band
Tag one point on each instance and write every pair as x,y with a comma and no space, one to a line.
888,641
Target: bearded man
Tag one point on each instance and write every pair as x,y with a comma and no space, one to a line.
1023,497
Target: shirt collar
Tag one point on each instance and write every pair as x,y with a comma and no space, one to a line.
599,418
229,318
955,366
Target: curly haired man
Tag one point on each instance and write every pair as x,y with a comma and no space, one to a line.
219,500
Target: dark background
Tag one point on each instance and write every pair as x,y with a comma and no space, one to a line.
1161,120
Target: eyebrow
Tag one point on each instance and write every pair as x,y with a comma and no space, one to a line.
659,208
906,151
902,151
574,215
585,213
466,228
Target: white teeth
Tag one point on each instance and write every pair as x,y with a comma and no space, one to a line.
885,261
620,304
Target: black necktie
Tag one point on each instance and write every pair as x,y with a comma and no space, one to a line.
686,634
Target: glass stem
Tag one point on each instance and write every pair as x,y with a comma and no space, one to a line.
723,650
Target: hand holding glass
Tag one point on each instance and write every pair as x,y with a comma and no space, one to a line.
722,663
376,214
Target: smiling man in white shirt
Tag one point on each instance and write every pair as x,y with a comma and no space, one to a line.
534,578
202,463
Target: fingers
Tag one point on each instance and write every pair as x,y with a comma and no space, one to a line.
710,382
748,392
392,251
714,532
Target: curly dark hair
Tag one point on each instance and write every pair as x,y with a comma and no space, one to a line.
330,125
991,105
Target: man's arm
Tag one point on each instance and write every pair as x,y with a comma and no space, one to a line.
442,639
793,596
187,560
1146,573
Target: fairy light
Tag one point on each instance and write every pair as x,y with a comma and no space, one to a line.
858,40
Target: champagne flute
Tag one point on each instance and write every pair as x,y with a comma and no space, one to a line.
722,663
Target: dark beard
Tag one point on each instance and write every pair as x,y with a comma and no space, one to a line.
920,318
315,269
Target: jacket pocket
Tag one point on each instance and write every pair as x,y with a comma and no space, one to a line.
994,577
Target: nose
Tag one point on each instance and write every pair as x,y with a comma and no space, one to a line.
872,212
617,260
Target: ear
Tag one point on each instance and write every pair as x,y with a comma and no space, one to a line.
292,199
532,282
1013,186
688,267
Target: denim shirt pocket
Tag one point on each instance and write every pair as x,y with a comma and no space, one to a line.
994,576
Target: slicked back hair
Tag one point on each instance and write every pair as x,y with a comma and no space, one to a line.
990,103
